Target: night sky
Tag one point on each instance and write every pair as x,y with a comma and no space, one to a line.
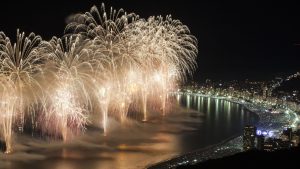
237,40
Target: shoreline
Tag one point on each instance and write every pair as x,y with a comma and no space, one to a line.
173,159
171,162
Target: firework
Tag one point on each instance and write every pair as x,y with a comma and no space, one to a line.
110,62
21,63
7,111
100,23
70,70
104,99
166,47
20,66
128,43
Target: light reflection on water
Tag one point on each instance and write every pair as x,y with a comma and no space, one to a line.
206,121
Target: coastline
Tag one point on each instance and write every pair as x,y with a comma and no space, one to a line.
234,142
169,163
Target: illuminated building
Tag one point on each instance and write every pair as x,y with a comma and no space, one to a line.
284,144
270,145
296,139
273,144
249,137
260,142
289,133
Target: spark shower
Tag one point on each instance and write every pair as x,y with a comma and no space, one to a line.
109,62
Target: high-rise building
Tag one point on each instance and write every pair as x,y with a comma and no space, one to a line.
289,133
296,139
249,137
271,144
284,144
260,141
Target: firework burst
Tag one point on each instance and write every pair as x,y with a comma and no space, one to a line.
7,111
110,62
21,66
70,69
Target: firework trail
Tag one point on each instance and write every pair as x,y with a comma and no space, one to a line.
7,111
106,31
109,61
21,66
128,43
70,69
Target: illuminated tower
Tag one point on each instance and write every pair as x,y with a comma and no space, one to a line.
249,137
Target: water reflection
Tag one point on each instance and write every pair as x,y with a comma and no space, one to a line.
222,119
217,109
188,101
196,123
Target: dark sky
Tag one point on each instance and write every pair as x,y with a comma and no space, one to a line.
237,40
